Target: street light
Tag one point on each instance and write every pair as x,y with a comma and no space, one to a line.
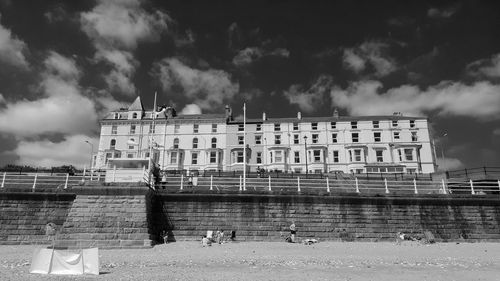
305,154
91,153
442,150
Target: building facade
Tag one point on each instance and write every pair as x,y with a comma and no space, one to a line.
368,144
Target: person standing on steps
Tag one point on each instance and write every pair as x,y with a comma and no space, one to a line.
293,231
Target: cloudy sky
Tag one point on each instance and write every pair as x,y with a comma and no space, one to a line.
63,64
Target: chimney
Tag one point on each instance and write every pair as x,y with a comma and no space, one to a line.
299,115
229,113
335,113
264,117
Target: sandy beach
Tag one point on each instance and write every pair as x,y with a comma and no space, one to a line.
279,261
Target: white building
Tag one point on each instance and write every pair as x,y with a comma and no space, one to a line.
368,144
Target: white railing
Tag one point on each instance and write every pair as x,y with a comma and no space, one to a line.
36,181
302,185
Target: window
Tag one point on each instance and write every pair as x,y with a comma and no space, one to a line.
116,116
278,156
214,142
173,157
214,128
112,144
130,155
400,155
176,143
258,139
357,155
314,126
258,127
277,127
296,157
394,123
295,139
335,156
258,159
134,115
241,128
295,126
333,125
354,125
194,158
176,128
277,139
314,138
317,155
240,140
396,135
334,138
195,143
411,171
239,157
412,123
114,129
414,136
213,157
196,128
151,129
376,136
380,155
376,124
355,137
131,146
132,129
271,157
409,154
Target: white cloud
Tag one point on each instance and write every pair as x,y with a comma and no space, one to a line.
2,99
370,53
444,13
448,164
191,109
251,54
353,61
12,49
116,28
496,132
62,109
309,100
480,100
44,153
123,23
209,89
485,67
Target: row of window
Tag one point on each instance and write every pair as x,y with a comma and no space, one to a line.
277,127
333,125
377,137
112,143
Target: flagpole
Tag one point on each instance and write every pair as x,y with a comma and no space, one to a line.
153,115
244,146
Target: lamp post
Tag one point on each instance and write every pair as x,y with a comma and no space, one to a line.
442,151
91,154
305,154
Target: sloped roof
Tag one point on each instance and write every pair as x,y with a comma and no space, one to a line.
136,105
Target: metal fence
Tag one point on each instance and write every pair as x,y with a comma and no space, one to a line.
301,185
474,173
45,181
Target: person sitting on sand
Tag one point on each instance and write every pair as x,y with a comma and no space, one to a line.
205,241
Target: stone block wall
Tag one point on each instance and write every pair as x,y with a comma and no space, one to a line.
104,217
346,218
24,215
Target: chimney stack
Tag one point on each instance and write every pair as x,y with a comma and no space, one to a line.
299,115
229,113
335,113
264,117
